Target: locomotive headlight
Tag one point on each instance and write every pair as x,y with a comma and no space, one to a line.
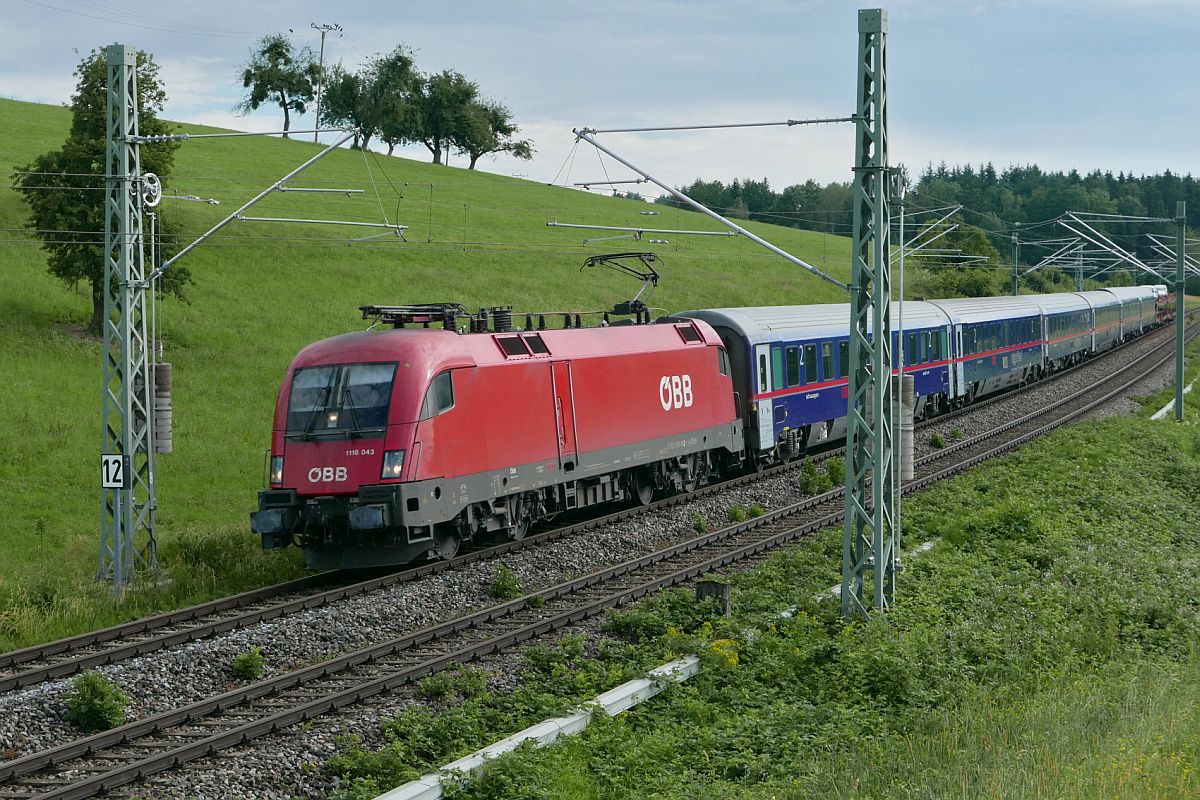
276,470
393,464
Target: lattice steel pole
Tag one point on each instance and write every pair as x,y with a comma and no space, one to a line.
1016,243
127,539
868,546
1180,290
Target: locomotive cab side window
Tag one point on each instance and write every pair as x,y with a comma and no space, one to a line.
722,361
439,397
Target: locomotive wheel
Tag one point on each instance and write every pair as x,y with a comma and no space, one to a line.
643,488
517,531
446,542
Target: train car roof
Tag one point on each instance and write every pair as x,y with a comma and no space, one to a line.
1127,293
780,323
1100,298
434,349
986,309
1063,303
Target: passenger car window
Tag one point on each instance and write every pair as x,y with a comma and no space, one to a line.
826,360
810,363
793,366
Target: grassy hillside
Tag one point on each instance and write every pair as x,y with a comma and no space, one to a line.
264,290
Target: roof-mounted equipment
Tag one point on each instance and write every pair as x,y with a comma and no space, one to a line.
424,314
646,274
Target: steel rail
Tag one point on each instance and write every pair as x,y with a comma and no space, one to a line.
208,628
168,618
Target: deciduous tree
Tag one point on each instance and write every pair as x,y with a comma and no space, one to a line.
376,99
489,128
64,188
439,110
279,74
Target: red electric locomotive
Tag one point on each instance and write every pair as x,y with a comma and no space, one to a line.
393,444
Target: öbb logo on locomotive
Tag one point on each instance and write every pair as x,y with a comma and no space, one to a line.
327,474
675,391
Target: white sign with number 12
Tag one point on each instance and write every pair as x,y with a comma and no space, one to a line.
113,472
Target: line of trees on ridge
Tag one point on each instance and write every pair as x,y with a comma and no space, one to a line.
385,98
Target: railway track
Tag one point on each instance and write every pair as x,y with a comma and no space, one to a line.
66,657
140,749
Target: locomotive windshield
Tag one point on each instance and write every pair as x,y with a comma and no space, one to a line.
339,401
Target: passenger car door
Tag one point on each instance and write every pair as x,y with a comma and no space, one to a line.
764,406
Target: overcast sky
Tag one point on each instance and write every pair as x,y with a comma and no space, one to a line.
1067,84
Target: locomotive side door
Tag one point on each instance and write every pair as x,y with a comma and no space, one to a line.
764,407
564,412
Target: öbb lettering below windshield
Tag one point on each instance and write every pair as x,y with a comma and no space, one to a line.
339,400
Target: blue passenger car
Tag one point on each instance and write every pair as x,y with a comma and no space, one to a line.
997,344
791,366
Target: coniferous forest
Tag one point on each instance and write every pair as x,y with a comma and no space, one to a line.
995,204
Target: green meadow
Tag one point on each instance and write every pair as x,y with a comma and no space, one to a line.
261,291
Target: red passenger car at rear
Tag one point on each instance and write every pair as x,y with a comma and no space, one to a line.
396,444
